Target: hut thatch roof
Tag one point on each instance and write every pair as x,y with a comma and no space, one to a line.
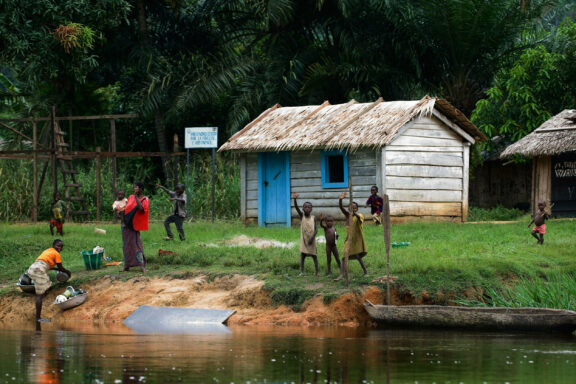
557,135
343,126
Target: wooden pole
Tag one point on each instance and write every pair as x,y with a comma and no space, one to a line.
53,148
175,160
98,167
113,149
35,173
349,235
351,217
386,227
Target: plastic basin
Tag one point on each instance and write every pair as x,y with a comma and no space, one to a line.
92,260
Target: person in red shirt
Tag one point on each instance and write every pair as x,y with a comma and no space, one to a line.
38,271
135,220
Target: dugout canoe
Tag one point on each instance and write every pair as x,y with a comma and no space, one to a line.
474,318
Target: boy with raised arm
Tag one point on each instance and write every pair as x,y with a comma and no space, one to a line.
539,220
178,196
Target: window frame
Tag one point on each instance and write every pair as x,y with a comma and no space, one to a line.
325,171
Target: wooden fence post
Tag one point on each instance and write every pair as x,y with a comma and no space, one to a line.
113,149
98,167
35,173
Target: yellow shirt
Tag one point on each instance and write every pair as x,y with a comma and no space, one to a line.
50,257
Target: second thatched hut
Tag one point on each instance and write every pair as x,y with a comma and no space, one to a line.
552,147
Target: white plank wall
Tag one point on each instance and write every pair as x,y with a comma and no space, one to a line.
425,171
251,186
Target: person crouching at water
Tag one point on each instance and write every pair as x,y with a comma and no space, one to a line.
38,271
135,220
308,232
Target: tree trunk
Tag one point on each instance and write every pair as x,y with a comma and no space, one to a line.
161,135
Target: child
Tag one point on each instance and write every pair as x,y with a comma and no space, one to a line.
58,208
376,203
119,205
308,232
327,223
539,220
178,196
357,248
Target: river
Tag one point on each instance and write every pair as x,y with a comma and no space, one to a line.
241,354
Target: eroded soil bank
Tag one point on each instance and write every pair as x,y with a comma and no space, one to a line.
112,299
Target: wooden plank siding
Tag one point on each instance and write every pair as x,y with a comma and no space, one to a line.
425,173
306,179
541,181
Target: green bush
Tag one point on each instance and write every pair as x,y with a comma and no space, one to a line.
293,297
498,213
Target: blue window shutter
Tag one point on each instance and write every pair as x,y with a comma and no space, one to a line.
334,169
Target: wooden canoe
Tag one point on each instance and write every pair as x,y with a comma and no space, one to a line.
477,318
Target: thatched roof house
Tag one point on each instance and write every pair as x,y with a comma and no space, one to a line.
553,149
415,151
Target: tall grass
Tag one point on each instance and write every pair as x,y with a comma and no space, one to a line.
16,190
555,291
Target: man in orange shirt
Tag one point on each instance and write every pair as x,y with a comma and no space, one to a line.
38,271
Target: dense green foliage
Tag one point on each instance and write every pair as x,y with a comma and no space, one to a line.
17,199
222,62
537,85
443,259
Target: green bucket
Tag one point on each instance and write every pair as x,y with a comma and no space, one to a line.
92,260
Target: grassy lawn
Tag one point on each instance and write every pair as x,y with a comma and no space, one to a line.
442,257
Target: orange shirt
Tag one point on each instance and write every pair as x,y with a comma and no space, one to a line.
50,257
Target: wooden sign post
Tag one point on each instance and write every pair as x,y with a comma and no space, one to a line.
386,227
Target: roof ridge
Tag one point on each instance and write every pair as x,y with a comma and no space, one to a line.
357,116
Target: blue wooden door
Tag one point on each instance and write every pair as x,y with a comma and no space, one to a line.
274,189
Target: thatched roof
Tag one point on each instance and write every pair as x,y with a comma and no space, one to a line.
557,135
343,126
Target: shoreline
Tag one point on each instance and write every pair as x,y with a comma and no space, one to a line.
111,299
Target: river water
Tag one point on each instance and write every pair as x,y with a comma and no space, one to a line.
85,354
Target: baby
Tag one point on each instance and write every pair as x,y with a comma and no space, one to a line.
119,204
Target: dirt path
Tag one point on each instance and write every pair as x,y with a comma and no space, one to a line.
111,299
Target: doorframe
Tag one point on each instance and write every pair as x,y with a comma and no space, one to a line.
261,194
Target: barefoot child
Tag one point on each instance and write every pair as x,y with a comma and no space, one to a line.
178,196
308,232
376,203
119,205
354,227
58,208
327,223
539,220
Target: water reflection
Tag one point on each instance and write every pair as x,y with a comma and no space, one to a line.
282,355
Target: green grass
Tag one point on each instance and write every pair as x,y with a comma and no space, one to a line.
442,257
498,213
